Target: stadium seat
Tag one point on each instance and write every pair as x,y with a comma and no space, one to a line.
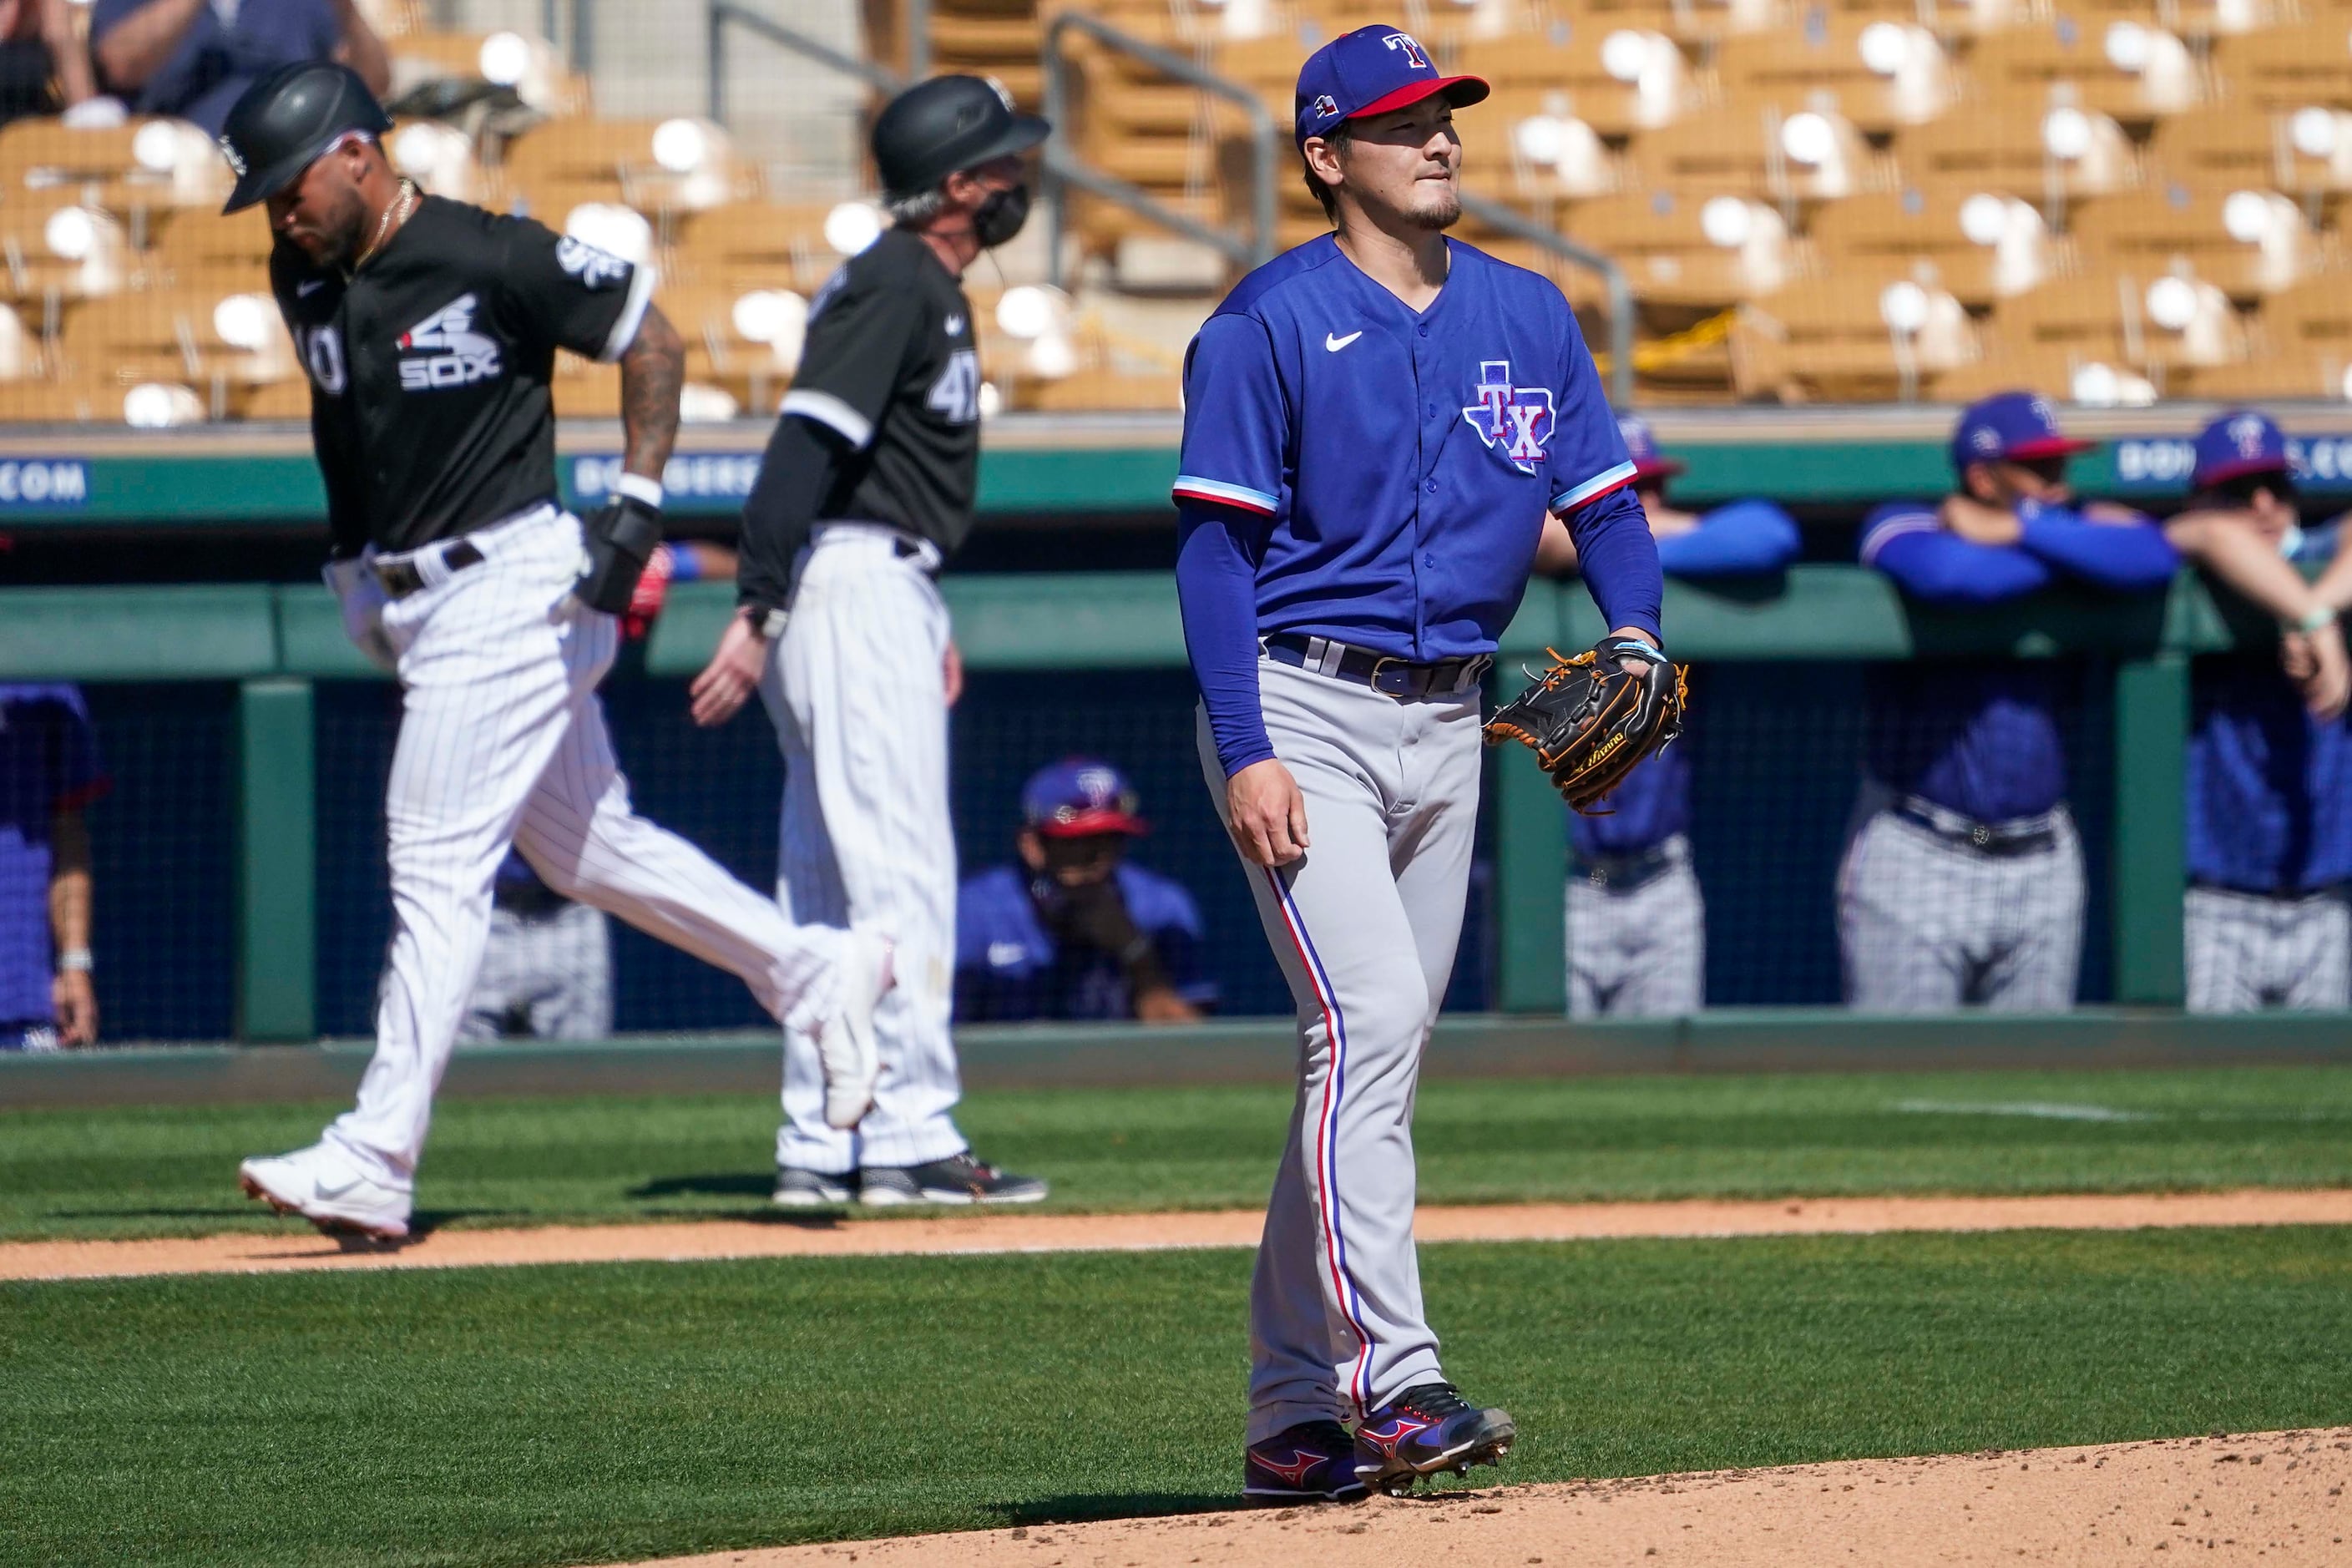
1849,338
2019,147
147,163
1768,149
2305,153
1708,253
2249,242
63,252
2127,69
1618,81
656,166
1549,151
2136,321
523,61
1883,74
756,244
2288,67
1982,245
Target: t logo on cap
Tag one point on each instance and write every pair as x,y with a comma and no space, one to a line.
1412,47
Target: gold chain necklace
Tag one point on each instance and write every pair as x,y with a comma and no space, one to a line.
398,210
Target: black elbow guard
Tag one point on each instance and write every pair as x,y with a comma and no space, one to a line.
620,537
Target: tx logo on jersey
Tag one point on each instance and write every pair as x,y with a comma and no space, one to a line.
1514,420
1412,47
454,354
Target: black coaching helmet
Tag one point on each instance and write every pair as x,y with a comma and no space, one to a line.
285,120
949,122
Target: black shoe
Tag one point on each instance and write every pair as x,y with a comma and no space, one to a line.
1311,1462
799,1189
1425,1429
957,1179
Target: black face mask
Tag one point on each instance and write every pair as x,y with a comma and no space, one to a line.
1000,217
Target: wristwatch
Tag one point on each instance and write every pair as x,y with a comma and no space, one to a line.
764,623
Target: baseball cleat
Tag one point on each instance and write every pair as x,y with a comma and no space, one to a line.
845,1045
1312,1462
959,1179
326,1186
799,1189
1427,1429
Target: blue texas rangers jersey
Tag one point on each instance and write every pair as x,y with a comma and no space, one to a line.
1404,461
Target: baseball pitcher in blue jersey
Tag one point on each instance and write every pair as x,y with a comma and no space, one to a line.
1379,425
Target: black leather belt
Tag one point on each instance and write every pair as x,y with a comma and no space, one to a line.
2022,836
1625,873
401,577
1384,673
2276,895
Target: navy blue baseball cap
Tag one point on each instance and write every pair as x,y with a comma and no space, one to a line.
2238,443
1643,447
2011,428
1079,795
1372,71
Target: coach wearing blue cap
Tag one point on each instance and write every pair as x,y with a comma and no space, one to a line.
2270,763
1075,930
1636,919
1962,882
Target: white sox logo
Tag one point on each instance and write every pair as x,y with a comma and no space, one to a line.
464,355
1412,47
1515,420
595,268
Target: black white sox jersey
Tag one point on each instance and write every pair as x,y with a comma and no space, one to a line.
429,368
890,366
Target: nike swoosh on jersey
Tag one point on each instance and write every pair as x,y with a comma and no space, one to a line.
304,290
1335,343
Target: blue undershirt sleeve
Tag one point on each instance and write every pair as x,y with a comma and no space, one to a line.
1747,538
1618,560
2121,557
1217,550
1936,566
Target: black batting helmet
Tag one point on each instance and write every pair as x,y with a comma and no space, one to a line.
949,122
285,120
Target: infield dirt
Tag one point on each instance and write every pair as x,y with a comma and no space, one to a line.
2270,1498
788,1235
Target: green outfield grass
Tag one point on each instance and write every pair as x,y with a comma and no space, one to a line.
578,1415
171,1171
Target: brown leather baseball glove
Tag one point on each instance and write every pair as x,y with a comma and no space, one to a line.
1590,720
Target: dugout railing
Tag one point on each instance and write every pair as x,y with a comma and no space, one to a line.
275,643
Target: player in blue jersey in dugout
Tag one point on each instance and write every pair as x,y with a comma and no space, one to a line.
1636,919
1379,424
2265,923
1962,880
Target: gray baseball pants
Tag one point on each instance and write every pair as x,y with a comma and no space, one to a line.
554,971
1364,926
2251,951
1925,925
1638,952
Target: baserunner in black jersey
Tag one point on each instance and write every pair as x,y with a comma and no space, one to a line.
428,329
867,488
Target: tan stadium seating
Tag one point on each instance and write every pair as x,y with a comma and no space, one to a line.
2144,231
2108,318
1526,71
2234,148
2005,145
1894,231
1748,149
756,244
2072,59
1830,340
546,83
2288,67
1661,239
1880,74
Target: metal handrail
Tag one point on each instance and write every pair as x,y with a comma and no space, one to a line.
1518,226
1063,166
728,14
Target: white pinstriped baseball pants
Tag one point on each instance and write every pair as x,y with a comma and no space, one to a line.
860,708
1364,925
1640,954
502,742
2247,952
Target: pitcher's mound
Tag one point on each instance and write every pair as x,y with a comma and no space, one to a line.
2274,1497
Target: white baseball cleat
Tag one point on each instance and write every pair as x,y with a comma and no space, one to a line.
845,1045
326,1186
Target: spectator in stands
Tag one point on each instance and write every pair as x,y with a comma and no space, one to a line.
2270,763
44,66
1962,883
547,972
49,771
1075,930
193,58
1636,919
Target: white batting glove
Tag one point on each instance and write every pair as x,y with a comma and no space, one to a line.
363,601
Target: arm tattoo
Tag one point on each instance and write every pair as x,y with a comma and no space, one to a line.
653,369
